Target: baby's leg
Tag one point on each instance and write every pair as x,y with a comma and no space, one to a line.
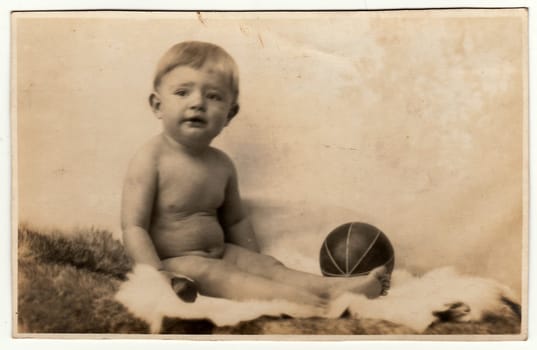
372,285
219,278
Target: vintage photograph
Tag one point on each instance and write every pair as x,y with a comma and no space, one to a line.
270,175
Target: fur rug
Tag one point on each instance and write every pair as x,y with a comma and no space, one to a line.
70,284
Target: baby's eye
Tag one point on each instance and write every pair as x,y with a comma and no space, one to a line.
214,96
181,92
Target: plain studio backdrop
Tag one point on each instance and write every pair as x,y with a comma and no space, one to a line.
413,121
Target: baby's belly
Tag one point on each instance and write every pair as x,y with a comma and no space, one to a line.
198,234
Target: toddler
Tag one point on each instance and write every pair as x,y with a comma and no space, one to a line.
181,208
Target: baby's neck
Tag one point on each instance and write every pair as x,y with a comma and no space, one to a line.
192,150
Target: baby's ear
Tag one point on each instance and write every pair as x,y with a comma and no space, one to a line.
232,112
154,102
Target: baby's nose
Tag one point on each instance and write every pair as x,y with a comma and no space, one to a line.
197,100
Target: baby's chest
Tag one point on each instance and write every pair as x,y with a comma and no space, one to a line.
191,186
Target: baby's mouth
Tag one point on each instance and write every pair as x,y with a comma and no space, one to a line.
195,121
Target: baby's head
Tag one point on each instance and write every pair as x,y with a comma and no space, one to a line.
198,55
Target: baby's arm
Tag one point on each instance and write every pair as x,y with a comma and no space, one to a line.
139,192
233,217
138,196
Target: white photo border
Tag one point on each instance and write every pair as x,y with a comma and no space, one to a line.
8,6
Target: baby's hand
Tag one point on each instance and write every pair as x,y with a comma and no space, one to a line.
184,287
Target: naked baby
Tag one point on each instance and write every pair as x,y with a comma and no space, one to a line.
181,208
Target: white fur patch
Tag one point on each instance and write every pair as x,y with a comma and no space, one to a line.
410,302
149,296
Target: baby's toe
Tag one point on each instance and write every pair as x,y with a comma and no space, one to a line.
385,287
385,283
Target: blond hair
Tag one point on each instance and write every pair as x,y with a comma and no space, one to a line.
197,54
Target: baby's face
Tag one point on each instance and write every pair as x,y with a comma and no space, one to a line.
194,104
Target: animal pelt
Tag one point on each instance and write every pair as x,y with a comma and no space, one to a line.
67,284
441,295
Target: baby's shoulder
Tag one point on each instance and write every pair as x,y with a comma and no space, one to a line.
222,158
146,157
152,148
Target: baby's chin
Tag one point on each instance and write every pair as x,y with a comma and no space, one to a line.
195,137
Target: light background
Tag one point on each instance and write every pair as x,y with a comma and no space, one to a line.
409,121
4,143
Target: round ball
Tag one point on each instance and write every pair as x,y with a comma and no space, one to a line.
354,249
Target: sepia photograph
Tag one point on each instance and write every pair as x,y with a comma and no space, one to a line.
221,175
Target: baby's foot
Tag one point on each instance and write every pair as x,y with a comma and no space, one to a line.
376,283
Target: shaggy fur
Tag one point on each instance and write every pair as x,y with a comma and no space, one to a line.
66,284
441,295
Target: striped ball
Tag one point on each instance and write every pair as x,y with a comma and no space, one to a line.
354,249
